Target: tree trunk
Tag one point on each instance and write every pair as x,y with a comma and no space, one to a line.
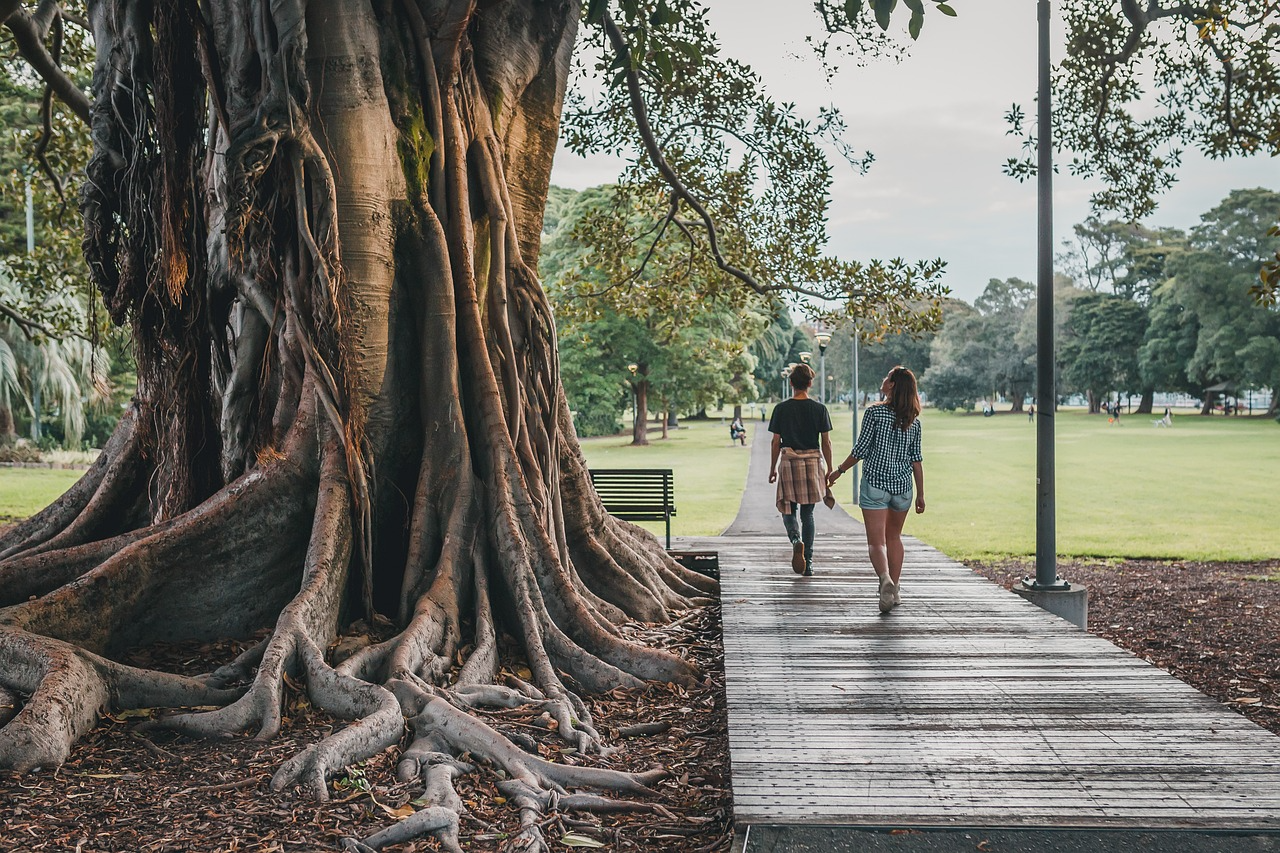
37,406
1207,408
8,428
1095,405
1147,402
640,426
737,411
322,224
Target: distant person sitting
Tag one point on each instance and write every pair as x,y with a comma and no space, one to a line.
738,432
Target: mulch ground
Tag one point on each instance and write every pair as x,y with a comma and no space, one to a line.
1216,626
126,788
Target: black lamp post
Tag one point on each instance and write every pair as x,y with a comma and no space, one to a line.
823,338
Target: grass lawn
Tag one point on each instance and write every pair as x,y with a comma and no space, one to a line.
1201,490
710,472
25,491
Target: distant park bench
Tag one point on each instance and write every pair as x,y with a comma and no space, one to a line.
637,494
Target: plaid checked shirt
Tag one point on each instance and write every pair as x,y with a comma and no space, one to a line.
886,451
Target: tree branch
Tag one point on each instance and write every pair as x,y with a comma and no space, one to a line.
27,326
27,36
660,162
679,190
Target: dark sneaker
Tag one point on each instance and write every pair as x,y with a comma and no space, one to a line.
797,557
808,570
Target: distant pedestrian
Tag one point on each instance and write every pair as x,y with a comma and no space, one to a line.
801,430
889,443
1031,413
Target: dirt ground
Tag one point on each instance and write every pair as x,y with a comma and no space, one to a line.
1216,626
126,788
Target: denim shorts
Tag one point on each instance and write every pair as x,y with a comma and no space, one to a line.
869,497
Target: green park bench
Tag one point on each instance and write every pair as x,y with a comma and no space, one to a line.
637,494
649,494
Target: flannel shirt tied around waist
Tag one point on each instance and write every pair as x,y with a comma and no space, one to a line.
800,478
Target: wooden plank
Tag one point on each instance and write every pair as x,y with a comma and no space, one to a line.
966,704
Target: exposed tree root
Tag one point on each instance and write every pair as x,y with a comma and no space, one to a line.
349,406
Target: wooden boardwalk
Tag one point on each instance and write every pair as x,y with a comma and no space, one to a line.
965,706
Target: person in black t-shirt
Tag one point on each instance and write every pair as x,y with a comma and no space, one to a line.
801,430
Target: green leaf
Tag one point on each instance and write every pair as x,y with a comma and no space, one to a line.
883,10
690,50
571,840
916,6
853,8
946,10
663,61
917,21
596,10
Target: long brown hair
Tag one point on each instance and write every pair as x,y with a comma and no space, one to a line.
904,399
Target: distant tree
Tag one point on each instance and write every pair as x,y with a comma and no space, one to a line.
1205,326
687,353
1100,349
1128,260
958,359
876,356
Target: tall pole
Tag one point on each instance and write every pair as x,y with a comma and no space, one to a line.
31,218
856,397
1046,386
822,378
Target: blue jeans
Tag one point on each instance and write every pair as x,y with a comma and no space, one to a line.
805,533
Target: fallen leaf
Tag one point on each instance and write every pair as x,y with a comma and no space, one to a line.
571,840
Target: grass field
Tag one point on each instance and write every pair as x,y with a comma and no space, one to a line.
710,472
1203,489
23,491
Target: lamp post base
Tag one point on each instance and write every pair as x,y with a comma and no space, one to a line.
1062,600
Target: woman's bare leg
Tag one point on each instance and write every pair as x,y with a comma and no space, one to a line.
893,542
875,521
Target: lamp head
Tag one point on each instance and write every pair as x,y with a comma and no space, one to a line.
823,338
633,367
805,356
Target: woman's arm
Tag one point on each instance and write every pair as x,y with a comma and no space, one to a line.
775,450
833,474
917,471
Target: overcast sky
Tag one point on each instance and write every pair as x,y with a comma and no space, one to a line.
935,124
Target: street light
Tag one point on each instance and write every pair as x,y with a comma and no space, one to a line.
805,356
823,339
856,334
635,398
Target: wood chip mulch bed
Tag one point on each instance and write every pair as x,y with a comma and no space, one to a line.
1216,626
146,791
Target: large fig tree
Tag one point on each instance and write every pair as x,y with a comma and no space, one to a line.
320,220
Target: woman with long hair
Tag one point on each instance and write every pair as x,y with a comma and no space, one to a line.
801,444
889,444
